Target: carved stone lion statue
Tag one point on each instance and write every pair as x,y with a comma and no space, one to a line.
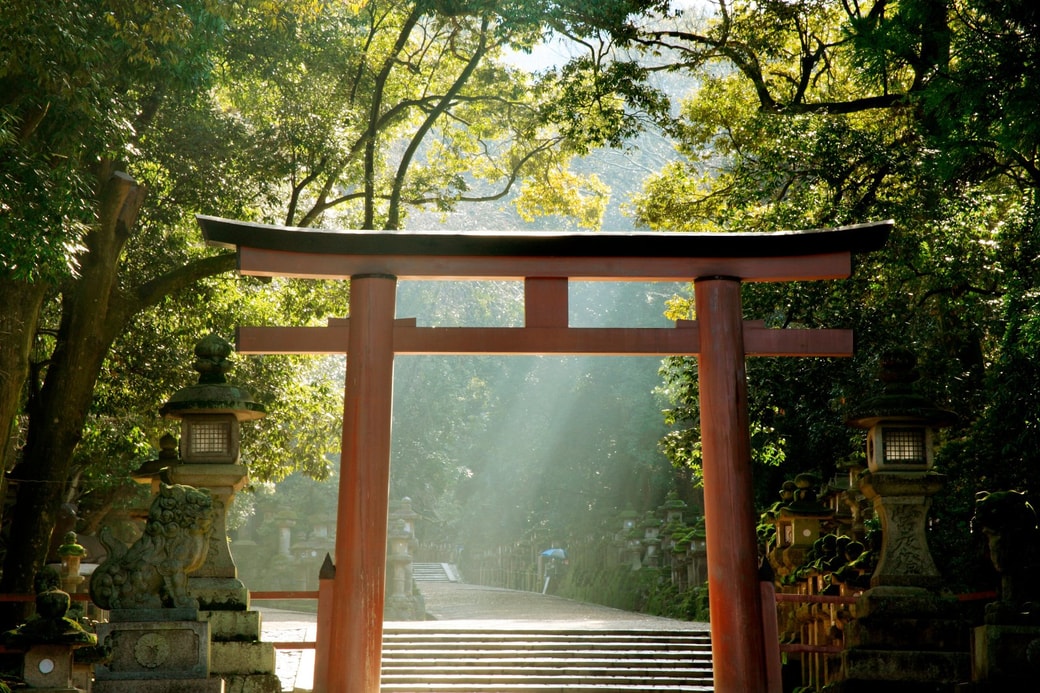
152,573
1009,524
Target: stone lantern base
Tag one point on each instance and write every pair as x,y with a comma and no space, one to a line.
1006,658
246,664
904,640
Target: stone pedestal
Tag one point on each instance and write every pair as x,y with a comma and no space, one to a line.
1006,658
901,500
246,664
905,638
156,651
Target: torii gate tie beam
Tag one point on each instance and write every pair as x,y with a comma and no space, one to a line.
546,262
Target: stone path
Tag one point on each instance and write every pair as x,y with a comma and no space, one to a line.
463,606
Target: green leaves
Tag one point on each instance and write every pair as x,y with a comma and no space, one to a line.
73,88
597,101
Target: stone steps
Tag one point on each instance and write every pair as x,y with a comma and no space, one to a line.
421,659
434,572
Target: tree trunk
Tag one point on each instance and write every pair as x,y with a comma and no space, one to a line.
88,327
21,302
94,313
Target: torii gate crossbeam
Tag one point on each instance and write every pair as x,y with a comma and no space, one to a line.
716,263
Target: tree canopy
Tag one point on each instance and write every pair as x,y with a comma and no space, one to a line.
814,114
122,119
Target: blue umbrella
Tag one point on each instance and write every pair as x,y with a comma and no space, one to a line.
554,553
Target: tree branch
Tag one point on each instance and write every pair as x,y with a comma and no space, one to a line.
151,292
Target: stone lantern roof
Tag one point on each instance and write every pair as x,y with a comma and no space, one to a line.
899,400
650,520
213,394
673,502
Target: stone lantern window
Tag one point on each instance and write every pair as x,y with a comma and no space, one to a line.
210,438
895,445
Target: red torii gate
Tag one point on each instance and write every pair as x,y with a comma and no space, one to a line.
371,336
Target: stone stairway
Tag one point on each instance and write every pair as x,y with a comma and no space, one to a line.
434,572
575,660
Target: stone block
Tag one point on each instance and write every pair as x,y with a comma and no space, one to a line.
1007,655
219,593
912,667
242,657
891,687
82,676
148,650
232,625
159,615
252,683
902,602
48,666
944,635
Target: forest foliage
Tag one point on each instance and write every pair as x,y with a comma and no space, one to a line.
815,114
122,119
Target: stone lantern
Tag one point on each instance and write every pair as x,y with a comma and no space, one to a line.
211,413
47,640
151,471
651,540
902,623
899,480
71,553
285,520
402,510
673,509
627,518
800,519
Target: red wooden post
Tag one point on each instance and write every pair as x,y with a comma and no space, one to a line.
323,636
545,302
357,625
771,634
738,647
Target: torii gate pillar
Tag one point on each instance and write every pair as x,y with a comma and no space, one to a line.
357,598
729,508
